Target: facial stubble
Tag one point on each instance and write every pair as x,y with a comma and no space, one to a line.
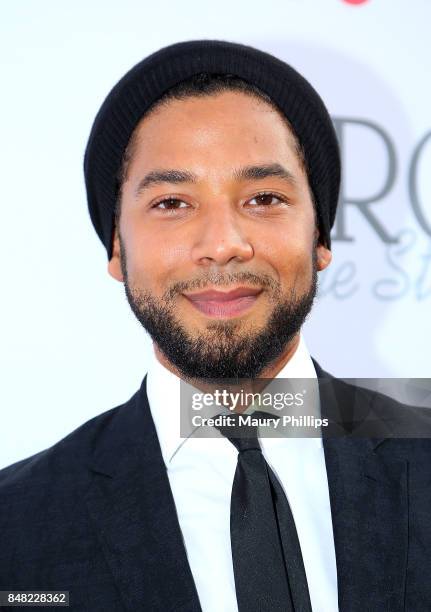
223,350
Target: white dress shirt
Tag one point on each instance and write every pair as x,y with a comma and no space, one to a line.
201,472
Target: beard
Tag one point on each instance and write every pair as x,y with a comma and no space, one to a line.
222,350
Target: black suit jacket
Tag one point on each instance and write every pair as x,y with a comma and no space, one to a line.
95,515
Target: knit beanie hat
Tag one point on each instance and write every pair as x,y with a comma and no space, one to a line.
146,82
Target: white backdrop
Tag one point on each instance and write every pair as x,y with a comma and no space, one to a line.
70,347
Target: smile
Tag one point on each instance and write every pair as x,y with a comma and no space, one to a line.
219,304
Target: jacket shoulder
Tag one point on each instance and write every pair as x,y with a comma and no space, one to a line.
62,461
397,428
46,531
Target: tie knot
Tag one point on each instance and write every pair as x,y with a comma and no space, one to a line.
242,436
244,444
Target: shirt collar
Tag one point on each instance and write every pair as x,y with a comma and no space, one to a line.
163,390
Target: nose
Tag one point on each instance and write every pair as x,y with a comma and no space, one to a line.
221,239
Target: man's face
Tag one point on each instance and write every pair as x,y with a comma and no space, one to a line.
216,199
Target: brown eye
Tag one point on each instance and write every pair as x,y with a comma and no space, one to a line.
266,199
169,204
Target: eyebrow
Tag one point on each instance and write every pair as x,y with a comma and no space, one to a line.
261,172
247,173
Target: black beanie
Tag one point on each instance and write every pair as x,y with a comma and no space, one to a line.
146,82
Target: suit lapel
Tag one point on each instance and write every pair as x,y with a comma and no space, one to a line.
369,505
133,510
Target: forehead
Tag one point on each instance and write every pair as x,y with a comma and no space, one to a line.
215,128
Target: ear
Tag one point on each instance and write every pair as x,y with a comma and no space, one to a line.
324,257
114,264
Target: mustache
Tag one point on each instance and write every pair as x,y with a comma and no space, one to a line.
225,279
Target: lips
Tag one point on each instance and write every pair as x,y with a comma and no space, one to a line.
224,303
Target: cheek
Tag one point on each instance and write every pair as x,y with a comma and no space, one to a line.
153,261
290,256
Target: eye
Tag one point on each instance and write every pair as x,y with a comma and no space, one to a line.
170,204
266,199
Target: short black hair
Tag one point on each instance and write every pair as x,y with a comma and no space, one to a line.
200,85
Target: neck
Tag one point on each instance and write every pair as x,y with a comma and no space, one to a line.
276,366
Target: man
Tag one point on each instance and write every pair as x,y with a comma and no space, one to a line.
212,174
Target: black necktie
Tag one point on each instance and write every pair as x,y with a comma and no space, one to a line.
267,561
